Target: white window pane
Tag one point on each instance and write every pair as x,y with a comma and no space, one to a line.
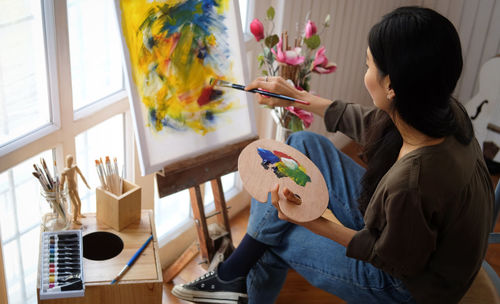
22,209
12,274
24,104
28,211
228,181
227,184
105,139
20,201
243,13
96,65
30,242
172,211
7,216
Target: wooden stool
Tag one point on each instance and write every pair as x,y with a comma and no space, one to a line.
481,291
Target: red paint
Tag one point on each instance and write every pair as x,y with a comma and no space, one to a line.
205,96
281,154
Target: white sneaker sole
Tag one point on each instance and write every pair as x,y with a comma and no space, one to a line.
221,297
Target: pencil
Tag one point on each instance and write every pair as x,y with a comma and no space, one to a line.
226,84
132,260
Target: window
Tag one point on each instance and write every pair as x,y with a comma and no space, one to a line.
20,218
31,108
96,64
173,212
92,145
24,101
244,4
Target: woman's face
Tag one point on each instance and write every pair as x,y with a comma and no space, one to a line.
379,88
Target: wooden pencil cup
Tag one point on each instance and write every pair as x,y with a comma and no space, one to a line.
119,211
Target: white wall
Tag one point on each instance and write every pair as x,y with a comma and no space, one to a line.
478,24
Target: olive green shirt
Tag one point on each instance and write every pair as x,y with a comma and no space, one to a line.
428,220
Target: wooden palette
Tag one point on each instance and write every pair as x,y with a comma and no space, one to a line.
265,163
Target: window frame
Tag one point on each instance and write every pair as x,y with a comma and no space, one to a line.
65,124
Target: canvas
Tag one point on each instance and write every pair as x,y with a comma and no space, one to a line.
172,51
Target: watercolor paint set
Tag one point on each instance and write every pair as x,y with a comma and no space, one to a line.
61,265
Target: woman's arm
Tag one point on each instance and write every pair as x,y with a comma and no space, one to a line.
278,85
331,230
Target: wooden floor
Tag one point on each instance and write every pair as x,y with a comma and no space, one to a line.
296,289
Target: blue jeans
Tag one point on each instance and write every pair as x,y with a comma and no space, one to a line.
319,260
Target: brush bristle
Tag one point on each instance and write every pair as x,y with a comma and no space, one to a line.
220,83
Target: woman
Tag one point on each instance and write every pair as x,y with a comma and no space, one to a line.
414,223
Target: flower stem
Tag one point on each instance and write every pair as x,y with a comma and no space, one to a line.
268,67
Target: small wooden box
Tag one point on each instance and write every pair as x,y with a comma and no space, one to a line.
142,283
119,211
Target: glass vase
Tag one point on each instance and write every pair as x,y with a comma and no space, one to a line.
58,218
282,133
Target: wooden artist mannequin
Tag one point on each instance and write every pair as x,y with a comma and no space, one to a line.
69,175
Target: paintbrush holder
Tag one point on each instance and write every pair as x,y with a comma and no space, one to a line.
119,211
58,218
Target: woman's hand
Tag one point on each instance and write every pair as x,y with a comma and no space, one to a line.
291,198
320,226
275,85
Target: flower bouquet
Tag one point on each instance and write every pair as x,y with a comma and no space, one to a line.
294,62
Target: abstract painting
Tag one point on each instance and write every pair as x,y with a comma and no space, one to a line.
172,50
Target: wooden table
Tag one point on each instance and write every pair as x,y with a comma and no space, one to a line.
142,283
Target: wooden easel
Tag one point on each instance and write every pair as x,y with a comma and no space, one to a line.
192,173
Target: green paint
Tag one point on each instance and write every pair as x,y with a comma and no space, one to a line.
297,175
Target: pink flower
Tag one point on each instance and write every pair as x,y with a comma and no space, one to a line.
321,64
291,57
257,29
306,117
311,29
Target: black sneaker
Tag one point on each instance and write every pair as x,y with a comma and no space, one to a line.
209,288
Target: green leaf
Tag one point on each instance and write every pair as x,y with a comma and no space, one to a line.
264,72
295,124
260,59
270,13
312,42
272,40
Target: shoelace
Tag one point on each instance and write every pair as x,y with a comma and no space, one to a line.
206,275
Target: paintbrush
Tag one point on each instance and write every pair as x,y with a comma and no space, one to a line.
132,260
47,172
226,84
42,177
44,186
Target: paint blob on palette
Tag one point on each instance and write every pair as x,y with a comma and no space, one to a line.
283,165
265,163
176,47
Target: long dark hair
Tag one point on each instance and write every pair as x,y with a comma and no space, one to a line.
420,51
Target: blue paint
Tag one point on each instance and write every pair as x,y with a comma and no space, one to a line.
174,124
268,157
150,43
209,116
185,14
152,115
